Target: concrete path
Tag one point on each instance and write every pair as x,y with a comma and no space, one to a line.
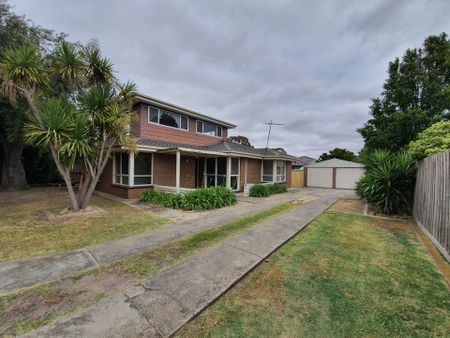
165,302
17,275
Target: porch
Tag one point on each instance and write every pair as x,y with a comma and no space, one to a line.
175,170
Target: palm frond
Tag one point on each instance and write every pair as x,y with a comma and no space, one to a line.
98,69
67,62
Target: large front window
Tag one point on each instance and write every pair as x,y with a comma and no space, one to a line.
274,171
216,172
208,129
136,173
143,169
166,118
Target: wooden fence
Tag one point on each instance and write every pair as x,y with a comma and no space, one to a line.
298,180
432,200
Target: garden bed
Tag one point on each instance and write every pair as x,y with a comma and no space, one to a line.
199,199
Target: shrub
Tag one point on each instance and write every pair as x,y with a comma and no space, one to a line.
433,140
388,184
264,190
200,199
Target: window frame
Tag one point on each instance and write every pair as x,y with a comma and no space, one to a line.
276,178
280,175
169,112
264,174
119,173
203,128
131,174
238,175
147,175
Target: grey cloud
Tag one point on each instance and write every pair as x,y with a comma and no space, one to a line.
311,65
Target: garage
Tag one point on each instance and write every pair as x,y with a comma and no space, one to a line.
333,174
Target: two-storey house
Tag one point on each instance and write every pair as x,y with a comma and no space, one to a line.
180,149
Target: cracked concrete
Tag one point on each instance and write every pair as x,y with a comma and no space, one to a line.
17,275
165,302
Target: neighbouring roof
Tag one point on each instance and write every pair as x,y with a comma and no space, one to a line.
304,160
219,148
336,163
185,111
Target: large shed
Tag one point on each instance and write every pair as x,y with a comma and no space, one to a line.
334,173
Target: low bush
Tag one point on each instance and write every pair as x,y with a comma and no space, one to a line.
388,184
199,199
264,190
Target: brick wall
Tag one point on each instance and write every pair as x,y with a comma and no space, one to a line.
141,128
164,168
105,185
253,172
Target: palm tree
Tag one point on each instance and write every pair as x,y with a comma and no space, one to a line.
79,110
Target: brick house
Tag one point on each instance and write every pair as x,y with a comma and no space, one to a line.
179,149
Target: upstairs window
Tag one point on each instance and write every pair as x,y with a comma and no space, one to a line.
166,118
208,129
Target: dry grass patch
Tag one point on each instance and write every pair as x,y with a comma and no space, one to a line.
41,305
350,206
26,231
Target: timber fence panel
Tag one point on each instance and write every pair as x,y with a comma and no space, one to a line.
432,200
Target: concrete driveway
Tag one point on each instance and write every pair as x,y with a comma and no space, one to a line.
159,306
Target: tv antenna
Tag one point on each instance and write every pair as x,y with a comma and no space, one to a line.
271,123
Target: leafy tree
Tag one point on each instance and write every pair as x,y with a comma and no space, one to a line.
240,140
339,153
433,140
78,109
16,31
415,95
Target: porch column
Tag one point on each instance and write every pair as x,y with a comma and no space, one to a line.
228,175
131,169
177,172
274,173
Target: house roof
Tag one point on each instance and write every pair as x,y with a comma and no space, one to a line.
304,160
220,148
178,109
336,163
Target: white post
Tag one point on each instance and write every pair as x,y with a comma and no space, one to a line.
274,177
228,174
177,172
131,169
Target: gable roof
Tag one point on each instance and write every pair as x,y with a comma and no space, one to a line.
178,109
336,163
220,148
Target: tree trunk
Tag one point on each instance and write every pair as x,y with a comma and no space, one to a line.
13,173
66,176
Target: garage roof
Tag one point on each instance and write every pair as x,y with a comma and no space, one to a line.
336,163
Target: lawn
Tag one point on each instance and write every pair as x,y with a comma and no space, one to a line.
25,231
35,307
344,276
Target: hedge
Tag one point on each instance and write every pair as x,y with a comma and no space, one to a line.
199,199
264,190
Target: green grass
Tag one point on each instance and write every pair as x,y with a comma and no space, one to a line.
344,276
26,232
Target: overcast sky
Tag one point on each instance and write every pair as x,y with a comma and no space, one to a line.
313,65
